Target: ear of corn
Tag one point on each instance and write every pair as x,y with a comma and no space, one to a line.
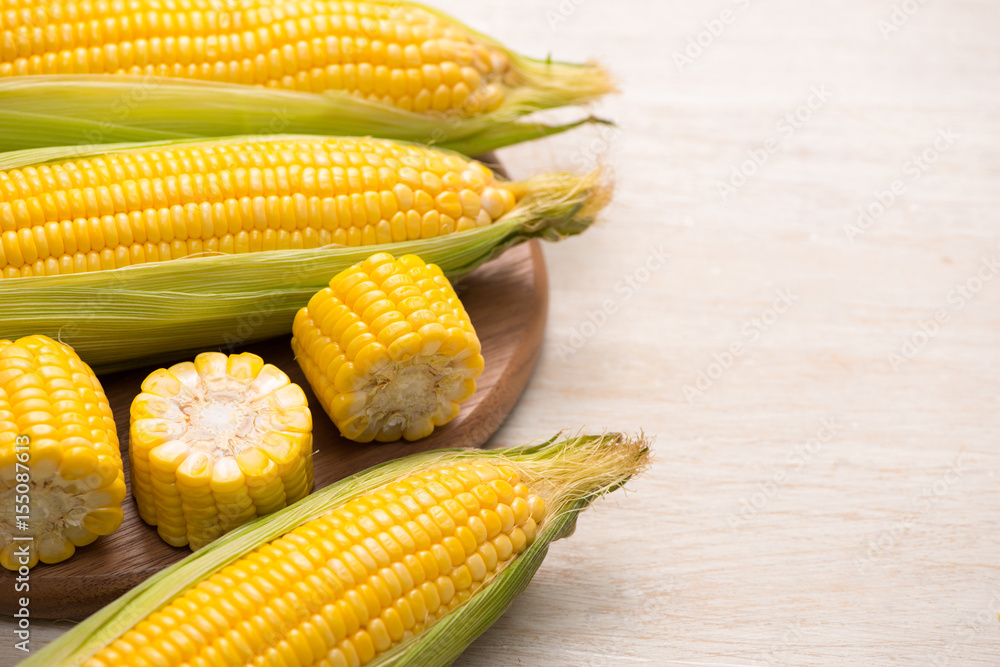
140,314
216,443
59,457
388,348
404,564
235,197
327,67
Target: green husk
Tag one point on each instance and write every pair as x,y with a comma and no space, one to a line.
148,313
573,470
58,110
80,109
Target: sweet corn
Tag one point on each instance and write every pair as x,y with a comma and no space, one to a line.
415,557
388,348
216,443
351,585
236,196
84,72
141,313
61,476
388,52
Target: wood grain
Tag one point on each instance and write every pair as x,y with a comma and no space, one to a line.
507,302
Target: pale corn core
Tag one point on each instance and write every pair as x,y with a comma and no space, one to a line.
407,388
223,420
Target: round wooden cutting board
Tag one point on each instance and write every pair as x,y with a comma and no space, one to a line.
507,300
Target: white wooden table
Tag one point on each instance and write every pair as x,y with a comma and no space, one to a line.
815,499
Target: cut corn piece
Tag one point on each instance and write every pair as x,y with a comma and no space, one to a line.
61,477
236,196
216,443
389,349
405,563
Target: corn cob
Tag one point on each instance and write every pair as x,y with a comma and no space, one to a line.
216,443
144,313
134,66
389,349
60,466
404,564
236,196
389,52
384,52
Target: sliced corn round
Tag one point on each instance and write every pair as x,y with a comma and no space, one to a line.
215,443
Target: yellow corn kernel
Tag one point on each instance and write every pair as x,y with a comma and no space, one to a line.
61,477
216,443
388,349
236,196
